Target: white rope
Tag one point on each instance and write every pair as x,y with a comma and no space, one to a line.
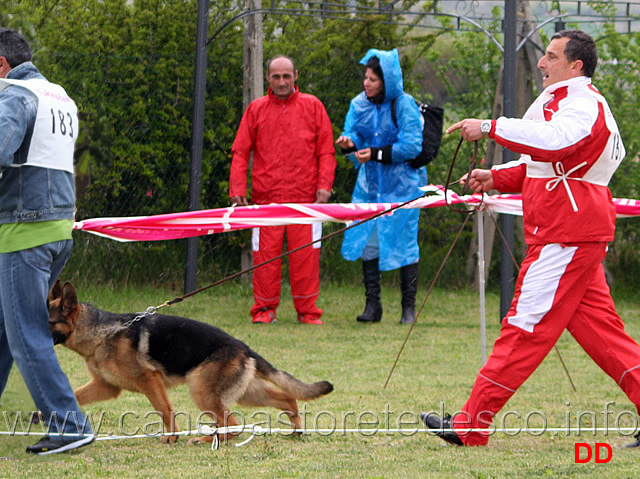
257,430
562,177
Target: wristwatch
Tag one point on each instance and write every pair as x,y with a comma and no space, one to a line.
485,127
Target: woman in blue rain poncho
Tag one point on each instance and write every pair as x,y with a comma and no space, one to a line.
381,150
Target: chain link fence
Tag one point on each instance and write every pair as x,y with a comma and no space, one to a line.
133,158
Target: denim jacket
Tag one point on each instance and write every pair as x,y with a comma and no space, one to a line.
28,193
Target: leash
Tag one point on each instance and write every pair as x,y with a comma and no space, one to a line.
472,164
152,309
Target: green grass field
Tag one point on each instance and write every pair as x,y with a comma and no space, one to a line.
436,370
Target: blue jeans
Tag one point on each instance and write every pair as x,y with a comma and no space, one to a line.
26,277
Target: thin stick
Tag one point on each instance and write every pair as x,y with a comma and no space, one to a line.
395,363
565,368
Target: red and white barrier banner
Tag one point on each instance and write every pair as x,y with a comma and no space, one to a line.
220,220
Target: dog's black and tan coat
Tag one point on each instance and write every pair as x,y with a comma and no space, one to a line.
160,351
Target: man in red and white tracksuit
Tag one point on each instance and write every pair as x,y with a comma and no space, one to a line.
570,148
290,136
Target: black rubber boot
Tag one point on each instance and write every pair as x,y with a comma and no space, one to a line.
409,284
373,309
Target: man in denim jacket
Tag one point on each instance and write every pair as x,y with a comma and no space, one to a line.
38,129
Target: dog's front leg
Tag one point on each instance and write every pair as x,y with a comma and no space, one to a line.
152,386
96,390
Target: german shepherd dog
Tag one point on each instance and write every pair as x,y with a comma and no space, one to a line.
158,352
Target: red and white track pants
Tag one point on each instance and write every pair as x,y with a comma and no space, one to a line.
560,286
304,267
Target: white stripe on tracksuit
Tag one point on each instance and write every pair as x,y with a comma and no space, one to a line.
540,284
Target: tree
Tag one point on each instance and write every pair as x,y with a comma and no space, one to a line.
129,65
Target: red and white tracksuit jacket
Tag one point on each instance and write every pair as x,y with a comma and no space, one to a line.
293,157
570,148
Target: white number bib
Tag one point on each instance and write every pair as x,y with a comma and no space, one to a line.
56,127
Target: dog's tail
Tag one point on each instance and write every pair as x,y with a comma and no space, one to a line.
290,384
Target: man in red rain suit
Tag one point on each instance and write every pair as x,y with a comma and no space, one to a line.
294,161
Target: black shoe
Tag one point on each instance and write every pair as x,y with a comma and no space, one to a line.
408,315
53,445
372,312
634,444
435,422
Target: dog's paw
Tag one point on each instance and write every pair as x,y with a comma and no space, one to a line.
168,439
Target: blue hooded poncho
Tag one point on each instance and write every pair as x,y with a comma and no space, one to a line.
371,125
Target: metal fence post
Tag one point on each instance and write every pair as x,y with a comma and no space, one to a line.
197,138
507,221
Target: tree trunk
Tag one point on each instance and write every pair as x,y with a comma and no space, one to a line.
253,80
252,85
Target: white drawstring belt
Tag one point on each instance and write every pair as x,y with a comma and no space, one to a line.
563,177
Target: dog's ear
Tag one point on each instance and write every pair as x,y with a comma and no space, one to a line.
56,291
69,299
